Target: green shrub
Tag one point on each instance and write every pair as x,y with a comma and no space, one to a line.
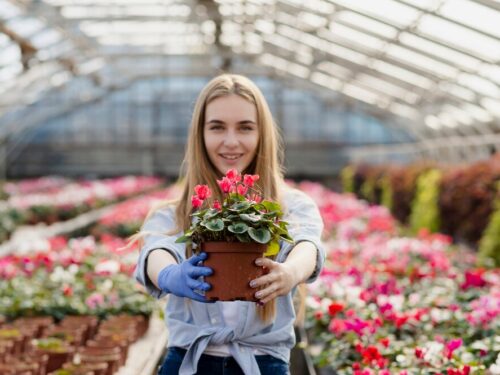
425,211
489,245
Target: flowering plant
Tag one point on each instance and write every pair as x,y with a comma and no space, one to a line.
242,216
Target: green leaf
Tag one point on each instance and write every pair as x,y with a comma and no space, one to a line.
183,239
210,213
260,235
215,225
240,206
271,206
253,218
238,227
272,249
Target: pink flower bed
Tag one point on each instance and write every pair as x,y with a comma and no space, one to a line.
388,304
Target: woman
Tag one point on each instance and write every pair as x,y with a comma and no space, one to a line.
231,127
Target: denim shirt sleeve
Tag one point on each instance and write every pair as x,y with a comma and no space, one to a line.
155,227
305,224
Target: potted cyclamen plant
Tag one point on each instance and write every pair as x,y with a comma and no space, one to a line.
234,233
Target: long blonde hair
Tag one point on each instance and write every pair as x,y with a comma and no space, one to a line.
197,168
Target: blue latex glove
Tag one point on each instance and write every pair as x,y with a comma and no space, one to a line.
181,279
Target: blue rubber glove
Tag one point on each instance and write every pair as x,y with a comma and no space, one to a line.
181,279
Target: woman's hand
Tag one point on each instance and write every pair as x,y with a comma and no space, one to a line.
282,277
278,281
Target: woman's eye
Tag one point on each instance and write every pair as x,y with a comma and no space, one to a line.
247,128
216,127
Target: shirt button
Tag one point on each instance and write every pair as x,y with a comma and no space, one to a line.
214,321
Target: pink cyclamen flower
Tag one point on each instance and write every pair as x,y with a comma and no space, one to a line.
451,346
217,205
225,184
196,202
242,189
233,175
94,300
202,191
249,180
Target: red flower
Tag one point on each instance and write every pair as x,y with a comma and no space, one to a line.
318,314
249,180
233,175
202,191
195,201
242,189
217,205
225,184
473,279
385,342
335,308
371,353
67,290
419,353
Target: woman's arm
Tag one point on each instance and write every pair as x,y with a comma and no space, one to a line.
158,260
283,277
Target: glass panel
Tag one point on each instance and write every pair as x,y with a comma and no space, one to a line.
457,91
9,72
365,40
386,87
404,111
450,33
8,10
360,93
315,5
430,65
392,11
367,23
479,84
46,38
438,50
326,80
10,54
459,114
491,71
432,122
472,14
491,105
335,69
403,74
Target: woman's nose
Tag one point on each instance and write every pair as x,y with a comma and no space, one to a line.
231,139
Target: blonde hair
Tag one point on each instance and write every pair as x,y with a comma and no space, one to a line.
197,168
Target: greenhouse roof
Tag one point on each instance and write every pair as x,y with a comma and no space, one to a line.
433,64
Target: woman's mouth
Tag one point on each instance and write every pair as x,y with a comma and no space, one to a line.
231,156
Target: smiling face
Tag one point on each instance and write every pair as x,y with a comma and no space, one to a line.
231,133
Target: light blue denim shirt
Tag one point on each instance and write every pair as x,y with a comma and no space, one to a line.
194,325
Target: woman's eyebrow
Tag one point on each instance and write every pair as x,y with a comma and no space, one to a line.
215,121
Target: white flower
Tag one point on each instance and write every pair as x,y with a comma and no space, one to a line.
467,357
108,266
60,275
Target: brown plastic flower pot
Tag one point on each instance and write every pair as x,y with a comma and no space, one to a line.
233,265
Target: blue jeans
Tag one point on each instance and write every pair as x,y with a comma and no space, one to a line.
213,365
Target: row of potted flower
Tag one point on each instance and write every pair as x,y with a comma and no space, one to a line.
389,304
69,201
76,345
76,276
32,185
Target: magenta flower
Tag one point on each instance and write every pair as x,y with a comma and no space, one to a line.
249,180
451,346
225,184
202,191
196,202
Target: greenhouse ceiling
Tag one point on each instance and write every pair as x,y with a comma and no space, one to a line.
432,64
